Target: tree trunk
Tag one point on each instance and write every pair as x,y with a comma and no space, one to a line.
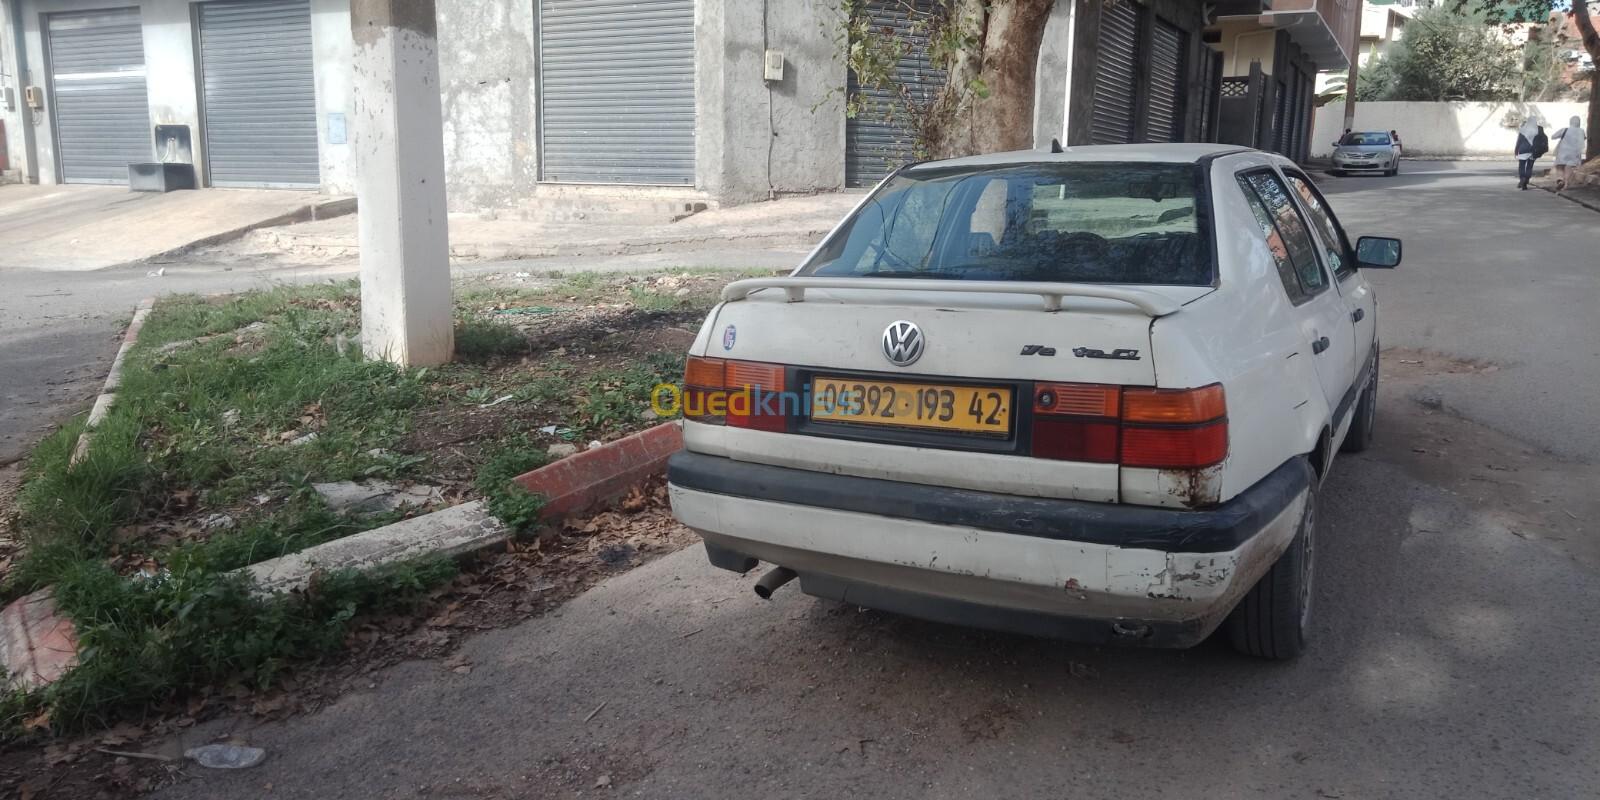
987,105
1591,43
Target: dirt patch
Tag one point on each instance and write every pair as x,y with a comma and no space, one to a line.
1531,493
568,351
1426,364
524,579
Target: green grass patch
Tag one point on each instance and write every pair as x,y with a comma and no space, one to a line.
514,505
615,399
266,394
481,339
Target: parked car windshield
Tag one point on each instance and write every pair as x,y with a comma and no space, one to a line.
1365,138
1078,222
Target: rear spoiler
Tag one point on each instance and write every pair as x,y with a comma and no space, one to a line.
795,288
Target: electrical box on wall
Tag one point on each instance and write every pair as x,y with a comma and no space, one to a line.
773,64
34,97
11,99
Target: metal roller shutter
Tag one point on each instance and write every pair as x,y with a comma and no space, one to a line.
879,138
97,82
1166,83
1115,76
260,109
617,91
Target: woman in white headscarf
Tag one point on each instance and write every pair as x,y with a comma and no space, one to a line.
1569,151
1531,143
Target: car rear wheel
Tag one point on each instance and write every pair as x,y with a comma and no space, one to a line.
1273,619
1359,436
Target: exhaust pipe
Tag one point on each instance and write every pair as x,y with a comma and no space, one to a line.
770,582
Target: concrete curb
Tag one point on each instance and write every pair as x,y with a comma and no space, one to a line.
322,209
454,531
108,393
1592,205
572,484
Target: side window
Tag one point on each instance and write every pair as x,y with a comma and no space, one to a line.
1288,238
1334,243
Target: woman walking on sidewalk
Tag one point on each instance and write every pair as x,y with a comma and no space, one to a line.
1531,143
1569,151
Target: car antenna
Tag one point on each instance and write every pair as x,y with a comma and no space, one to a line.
1055,146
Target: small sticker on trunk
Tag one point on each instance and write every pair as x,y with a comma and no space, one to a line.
728,335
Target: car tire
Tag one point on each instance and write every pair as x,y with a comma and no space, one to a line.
1337,173
1359,437
1273,620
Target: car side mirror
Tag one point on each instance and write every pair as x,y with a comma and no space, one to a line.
1377,252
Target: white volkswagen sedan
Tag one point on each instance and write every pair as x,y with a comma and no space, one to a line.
1087,394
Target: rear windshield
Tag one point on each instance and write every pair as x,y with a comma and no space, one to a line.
1366,138
1083,223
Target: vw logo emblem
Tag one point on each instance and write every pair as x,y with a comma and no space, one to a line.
902,343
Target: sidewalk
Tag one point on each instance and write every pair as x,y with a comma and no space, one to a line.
70,228
791,222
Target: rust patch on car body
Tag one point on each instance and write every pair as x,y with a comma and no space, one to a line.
1194,488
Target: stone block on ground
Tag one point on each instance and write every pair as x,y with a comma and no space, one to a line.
38,644
454,531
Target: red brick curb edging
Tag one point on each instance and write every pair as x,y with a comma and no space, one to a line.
38,644
583,480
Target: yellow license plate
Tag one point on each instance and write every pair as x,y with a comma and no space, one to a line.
972,409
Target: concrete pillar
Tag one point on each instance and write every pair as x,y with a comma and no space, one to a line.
399,159
1354,73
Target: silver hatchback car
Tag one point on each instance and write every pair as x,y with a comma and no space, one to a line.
1366,151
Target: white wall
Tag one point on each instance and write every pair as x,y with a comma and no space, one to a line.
1442,129
332,53
10,78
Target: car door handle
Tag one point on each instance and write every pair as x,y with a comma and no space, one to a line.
1358,315
1319,345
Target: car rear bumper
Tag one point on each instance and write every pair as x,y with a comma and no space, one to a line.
1376,163
1095,572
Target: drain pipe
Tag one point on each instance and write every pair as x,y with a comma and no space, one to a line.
770,582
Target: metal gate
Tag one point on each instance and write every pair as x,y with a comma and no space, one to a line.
1115,76
97,82
616,86
259,115
880,137
1165,106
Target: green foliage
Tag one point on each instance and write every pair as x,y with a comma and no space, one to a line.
508,501
211,415
616,398
481,339
1448,53
145,641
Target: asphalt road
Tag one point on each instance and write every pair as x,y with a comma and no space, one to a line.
1455,604
1506,278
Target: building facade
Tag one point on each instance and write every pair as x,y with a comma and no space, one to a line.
1271,52
721,101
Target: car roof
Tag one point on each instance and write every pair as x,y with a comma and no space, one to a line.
1363,133
1184,153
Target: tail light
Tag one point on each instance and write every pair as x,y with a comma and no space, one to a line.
1133,426
740,394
